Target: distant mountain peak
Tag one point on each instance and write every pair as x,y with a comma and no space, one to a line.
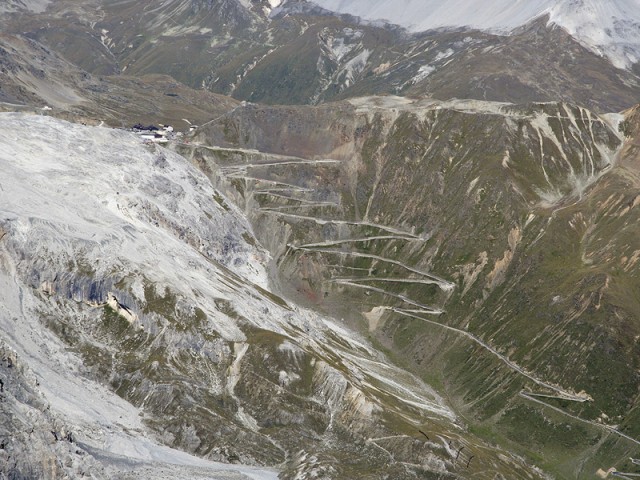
610,28
31,5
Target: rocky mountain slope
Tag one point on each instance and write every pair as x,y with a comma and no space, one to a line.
431,271
301,53
34,78
492,240
37,6
610,28
139,312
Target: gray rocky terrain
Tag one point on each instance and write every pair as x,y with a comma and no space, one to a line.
365,250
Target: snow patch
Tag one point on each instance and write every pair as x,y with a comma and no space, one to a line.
289,348
442,55
423,72
355,66
287,378
610,27
472,185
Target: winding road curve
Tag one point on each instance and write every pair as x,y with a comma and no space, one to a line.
575,417
564,394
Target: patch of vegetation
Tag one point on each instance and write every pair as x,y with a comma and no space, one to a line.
529,425
221,201
249,239
164,306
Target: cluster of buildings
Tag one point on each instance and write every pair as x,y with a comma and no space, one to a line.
158,134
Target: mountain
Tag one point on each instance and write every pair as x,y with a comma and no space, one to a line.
299,53
609,28
37,6
37,79
492,240
138,315
383,252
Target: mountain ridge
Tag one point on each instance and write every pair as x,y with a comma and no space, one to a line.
609,28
